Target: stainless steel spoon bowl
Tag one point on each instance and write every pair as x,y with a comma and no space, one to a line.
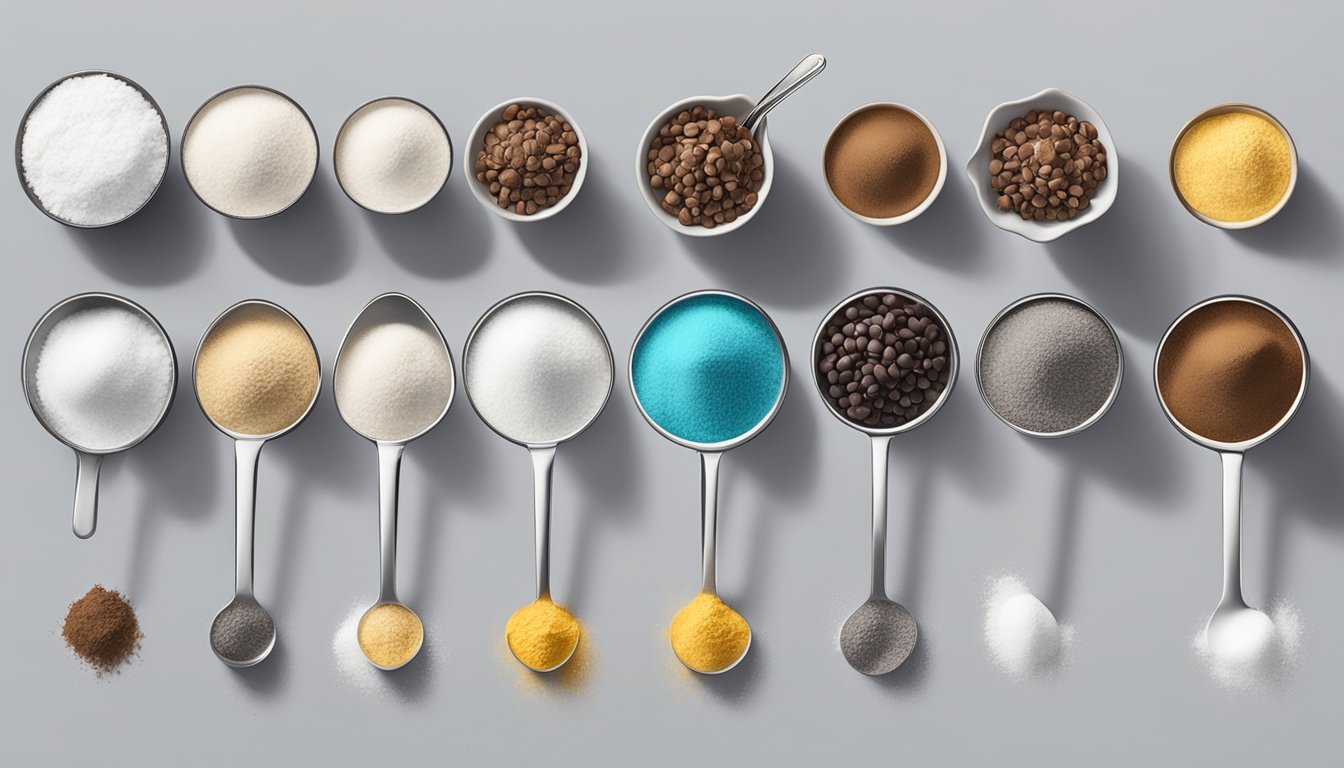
247,452
878,606
1233,621
88,459
384,309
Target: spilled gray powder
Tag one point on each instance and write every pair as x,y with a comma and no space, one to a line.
242,631
878,637
1049,365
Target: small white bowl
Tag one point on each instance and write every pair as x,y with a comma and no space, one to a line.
892,221
977,168
1223,109
737,105
476,140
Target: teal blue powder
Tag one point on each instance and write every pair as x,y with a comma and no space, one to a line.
708,369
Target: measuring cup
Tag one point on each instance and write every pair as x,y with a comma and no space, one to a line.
247,452
711,453
541,444
878,604
88,458
1233,621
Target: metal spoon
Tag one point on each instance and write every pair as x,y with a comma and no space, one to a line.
808,68
247,452
1233,624
89,459
543,452
390,308
710,456
883,652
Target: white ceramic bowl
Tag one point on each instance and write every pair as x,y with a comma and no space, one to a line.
476,140
738,105
977,168
891,221
1223,109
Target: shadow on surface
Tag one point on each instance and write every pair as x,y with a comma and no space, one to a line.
950,234
913,675
305,245
1308,228
164,243
738,685
450,237
269,677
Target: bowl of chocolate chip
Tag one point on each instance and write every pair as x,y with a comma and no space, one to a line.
528,159
1044,166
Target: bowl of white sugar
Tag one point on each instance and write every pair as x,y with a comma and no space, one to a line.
392,155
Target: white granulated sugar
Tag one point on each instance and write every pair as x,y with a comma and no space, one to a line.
392,156
1022,635
94,150
538,370
1265,658
250,153
393,380
103,377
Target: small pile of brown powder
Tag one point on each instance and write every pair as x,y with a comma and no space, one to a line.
882,162
101,629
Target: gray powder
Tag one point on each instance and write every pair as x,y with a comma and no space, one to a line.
878,637
1049,365
242,631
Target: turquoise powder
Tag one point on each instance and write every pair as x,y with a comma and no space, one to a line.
708,369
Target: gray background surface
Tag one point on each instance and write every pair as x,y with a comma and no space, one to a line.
1117,528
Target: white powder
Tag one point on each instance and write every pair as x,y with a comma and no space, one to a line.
1266,656
1022,635
392,156
103,377
538,369
250,153
94,150
393,380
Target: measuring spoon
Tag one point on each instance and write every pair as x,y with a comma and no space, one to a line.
88,458
384,310
247,453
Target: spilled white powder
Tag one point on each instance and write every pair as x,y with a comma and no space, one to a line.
392,156
538,369
249,153
103,377
393,380
1022,635
94,150
1266,657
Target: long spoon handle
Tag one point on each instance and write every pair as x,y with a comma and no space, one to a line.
246,454
808,68
709,521
389,486
881,448
86,492
543,466
1232,528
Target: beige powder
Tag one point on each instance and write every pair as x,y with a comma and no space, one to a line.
257,371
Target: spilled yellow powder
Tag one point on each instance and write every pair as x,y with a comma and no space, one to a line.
390,635
708,636
257,371
542,635
1233,167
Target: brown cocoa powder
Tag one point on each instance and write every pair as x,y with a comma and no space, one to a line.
101,628
882,162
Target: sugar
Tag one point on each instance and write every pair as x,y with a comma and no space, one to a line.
393,380
1022,635
538,369
250,153
103,377
1262,660
93,150
392,156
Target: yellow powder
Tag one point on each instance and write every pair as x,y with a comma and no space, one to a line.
708,636
257,371
1233,167
390,635
542,635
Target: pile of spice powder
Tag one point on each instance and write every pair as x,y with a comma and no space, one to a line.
542,635
1233,167
709,636
882,162
101,628
257,371
1230,371
390,635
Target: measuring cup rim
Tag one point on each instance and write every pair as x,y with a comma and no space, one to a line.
29,352
1115,387
317,391
336,367
480,323
761,425
1244,445
923,417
